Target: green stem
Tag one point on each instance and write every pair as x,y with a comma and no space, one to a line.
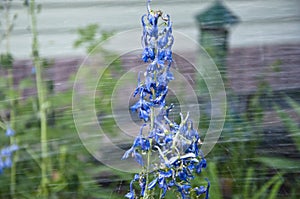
7,19
12,101
147,171
13,170
13,140
152,118
41,101
160,193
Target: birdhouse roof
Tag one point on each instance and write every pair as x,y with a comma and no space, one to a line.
217,15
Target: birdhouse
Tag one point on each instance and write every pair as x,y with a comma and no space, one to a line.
214,24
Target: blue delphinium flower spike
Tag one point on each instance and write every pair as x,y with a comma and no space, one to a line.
176,144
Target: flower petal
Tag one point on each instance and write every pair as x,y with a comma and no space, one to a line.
138,158
152,184
130,195
9,132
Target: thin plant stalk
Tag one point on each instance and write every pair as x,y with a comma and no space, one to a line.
10,82
13,139
152,118
41,101
7,19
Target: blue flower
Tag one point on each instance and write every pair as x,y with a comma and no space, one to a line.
165,174
168,55
136,177
144,109
153,30
6,155
148,54
152,184
138,158
131,194
139,143
193,148
152,18
7,151
143,24
185,175
142,184
33,70
13,147
160,96
184,190
1,166
151,68
161,54
168,138
7,162
165,78
202,189
162,183
9,132
163,41
161,180
202,164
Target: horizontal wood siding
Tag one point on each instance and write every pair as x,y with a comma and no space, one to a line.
262,21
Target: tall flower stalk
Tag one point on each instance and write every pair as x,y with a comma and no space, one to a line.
43,105
7,62
176,144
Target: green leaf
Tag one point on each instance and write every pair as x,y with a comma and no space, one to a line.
216,189
280,163
90,39
293,104
275,66
26,83
86,35
61,99
275,189
62,157
2,125
33,155
290,124
249,175
266,186
6,60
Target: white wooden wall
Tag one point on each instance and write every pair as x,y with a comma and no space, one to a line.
262,21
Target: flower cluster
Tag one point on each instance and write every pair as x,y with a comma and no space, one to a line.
179,154
176,144
157,50
7,152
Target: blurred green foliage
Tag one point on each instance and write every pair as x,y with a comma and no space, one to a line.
240,167
73,171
